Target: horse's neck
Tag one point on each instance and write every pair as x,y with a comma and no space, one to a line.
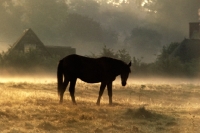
117,67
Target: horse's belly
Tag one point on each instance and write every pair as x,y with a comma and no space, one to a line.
95,80
90,75
90,78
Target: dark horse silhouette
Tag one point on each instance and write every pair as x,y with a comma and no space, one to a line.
90,70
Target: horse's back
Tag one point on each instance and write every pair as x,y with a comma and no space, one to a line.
87,69
78,61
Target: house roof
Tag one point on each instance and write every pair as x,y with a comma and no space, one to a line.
187,50
28,37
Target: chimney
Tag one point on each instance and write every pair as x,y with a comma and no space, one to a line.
199,14
194,31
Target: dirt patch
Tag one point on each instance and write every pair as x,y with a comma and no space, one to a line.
8,115
142,113
47,126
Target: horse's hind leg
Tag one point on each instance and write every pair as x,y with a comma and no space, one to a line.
66,81
72,90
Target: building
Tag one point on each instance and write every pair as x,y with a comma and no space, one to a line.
61,51
30,41
189,48
194,30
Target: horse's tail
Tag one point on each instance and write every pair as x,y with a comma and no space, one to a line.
60,76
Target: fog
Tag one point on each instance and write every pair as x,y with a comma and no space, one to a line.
44,78
89,25
28,79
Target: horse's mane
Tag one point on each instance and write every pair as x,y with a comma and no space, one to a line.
113,60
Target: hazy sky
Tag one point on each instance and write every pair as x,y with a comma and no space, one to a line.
48,18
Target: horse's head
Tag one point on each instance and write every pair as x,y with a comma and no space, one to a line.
125,73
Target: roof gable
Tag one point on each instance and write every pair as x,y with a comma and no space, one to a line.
28,39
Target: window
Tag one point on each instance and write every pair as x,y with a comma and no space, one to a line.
29,47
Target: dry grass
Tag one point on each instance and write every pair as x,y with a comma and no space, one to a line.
138,108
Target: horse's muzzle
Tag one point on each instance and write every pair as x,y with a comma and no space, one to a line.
123,83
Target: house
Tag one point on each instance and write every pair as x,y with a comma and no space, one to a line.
194,30
61,51
189,49
30,41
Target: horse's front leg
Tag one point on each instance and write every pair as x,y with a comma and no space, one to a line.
102,87
109,87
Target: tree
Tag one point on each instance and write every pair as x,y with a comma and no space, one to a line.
144,43
27,62
108,52
88,8
164,14
167,64
46,17
123,55
167,51
82,28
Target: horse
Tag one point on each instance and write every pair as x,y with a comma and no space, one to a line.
90,70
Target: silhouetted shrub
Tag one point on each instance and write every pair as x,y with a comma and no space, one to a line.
30,61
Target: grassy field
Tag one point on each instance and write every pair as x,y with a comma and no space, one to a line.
140,107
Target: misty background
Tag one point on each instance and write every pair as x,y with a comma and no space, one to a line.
142,27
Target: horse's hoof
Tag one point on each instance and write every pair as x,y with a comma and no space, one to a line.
98,104
110,104
74,103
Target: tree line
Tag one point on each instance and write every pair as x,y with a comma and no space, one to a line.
164,65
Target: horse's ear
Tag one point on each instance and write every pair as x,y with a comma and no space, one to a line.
129,64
